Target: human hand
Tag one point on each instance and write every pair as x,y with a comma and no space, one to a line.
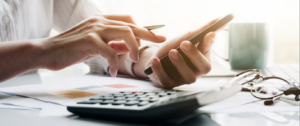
199,57
99,35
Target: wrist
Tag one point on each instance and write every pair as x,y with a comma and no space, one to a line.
143,63
43,52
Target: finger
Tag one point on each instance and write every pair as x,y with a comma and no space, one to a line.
122,33
123,18
108,53
162,76
221,27
119,46
206,44
184,70
196,57
138,41
139,32
189,35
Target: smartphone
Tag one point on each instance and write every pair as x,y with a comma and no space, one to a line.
198,38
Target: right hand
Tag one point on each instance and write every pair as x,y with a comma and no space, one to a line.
94,37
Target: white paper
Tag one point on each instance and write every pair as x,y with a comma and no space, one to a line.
245,102
259,106
54,110
238,99
16,101
5,106
39,91
201,85
220,71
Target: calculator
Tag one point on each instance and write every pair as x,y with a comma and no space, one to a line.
149,106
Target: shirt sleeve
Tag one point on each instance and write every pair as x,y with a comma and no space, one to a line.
68,13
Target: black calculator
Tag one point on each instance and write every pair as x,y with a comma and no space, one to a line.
149,106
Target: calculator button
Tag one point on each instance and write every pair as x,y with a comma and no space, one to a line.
109,95
143,103
142,96
89,102
170,92
153,99
118,102
126,92
157,92
137,94
108,98
150,94
119,98
129,96
147,92
162,94
153,96
106,102
96,98
133,98
144,99
118,95
130,103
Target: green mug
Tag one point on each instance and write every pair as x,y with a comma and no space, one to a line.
248,45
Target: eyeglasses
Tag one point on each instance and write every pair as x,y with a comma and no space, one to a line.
252,81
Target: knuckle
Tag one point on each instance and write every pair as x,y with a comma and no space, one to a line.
94,19
131,26
207,69
91,36
193,80
98,26
126,29
171,84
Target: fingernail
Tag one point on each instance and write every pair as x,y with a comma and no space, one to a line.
137,58
174,54
132,58
128,58
155,61
186,46
113,72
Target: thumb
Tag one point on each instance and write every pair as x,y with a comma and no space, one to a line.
205,46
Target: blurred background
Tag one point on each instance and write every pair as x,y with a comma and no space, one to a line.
181,16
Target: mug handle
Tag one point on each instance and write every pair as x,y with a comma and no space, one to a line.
218,54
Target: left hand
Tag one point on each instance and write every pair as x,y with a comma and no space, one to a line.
199,56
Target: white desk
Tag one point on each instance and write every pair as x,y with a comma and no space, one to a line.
30,117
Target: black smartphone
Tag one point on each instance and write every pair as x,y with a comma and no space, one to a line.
198,38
